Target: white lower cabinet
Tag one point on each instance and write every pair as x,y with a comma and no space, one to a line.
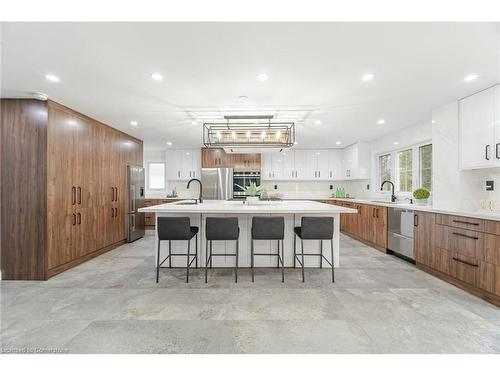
479,119
183,164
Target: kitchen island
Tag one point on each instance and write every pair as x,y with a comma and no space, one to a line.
292,211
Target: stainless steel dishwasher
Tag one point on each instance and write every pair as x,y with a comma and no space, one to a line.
400,232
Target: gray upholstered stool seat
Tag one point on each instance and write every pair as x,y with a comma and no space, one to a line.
221,229
314,228
176,229
269,228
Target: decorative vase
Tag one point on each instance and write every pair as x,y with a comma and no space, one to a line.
252,201
421,202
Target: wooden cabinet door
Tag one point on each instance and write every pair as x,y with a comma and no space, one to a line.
61,189
380,230
423,237
214,158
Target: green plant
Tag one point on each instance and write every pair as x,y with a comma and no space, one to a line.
421,193
252,189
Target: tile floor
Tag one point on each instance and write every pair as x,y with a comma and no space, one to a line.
378,304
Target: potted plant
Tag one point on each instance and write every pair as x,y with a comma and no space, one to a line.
421,195
252,191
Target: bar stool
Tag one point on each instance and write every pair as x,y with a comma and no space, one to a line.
221,229
269,228
314,228
176,229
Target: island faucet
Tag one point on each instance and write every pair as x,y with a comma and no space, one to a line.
393,197
200,199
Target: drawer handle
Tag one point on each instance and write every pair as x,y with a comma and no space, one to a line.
415,220
73,195
464,262
466,236
464,222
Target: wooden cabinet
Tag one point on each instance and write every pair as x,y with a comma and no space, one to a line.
150,218
459,250
245,162
479,129
85,187
214,158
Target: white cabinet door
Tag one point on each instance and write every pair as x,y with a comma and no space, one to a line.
322,162
477,130
277,172
187,164
267,166
196,166
288,165
347,162
496,148
174,165
300,164
312,165
334,164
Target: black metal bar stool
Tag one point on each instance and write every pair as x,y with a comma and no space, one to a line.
221,229
176,229
314,228
269,228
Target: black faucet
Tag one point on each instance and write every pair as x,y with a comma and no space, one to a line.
200,199
393,197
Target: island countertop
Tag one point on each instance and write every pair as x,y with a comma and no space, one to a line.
277,207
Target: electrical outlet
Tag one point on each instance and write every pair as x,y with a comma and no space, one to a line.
331,187
490,186
367,186
275,187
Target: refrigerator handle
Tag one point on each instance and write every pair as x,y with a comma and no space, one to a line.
132,197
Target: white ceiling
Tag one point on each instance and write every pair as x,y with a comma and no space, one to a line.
314,73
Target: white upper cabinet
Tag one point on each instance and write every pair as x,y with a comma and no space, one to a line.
302,165
356,161
183,164
479,123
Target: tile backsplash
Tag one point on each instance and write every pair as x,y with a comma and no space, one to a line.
473,193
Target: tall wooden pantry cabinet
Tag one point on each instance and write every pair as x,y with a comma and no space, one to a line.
63,178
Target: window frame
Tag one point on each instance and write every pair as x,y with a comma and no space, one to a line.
164,175
379,157
416,175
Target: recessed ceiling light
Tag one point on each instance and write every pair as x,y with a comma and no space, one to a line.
134,123
396,143
381,121
317,122
51,78
169,143
338,143
262,77
156,76
471,77
243,97
367,77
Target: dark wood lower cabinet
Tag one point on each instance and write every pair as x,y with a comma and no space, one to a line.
66,195
150,218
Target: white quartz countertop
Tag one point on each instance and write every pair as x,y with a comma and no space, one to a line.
487,215
281,207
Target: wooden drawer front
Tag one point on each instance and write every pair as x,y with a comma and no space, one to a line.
464,242
149,202
489,277
465,269
440,260
491,253
492,227
460,222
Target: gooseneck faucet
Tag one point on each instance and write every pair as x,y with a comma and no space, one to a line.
200,199
393,197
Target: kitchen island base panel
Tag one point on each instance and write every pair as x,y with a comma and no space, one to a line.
261,246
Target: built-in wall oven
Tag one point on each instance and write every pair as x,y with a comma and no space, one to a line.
242,179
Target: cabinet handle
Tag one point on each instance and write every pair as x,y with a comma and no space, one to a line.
112,212
415,220
178,173
79,195
377,210
373,212
74,219
464,222
73,196
464,262
319,174
79,216
116,212
330,174
486,152
116,194
112,194
466,236
497,151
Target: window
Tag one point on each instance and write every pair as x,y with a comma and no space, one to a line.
425,155
405,170
384,163
156,176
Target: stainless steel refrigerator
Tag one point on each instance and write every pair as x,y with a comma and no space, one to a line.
217,183
135,182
